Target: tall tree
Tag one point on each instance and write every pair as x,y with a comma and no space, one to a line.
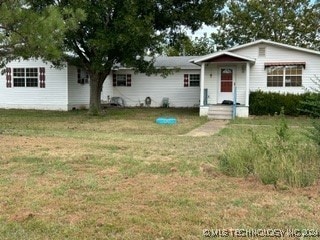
183,45
25,33
294,22
122,31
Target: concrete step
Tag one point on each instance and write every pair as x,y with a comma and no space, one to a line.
226,107
220,112
220,117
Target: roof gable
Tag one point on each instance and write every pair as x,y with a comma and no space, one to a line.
223,56
272,43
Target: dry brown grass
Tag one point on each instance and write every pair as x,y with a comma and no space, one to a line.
130,179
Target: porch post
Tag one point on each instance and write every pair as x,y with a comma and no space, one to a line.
247,84
202,84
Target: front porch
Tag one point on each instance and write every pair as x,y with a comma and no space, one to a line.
224,78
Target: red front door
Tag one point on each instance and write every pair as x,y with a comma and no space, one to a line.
226,84
226,79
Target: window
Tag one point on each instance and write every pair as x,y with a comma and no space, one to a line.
275,77
25,77
83,76
194,80
293,76
191,80
289,76
19,77
122,80
32,77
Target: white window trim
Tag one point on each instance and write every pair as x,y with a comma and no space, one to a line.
25,77
284,77
83,76
193,80
126,79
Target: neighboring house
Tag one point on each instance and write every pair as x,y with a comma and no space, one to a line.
261,65
34,84
204,81
181,87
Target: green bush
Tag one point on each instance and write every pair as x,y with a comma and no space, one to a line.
311,106
269,103
277,160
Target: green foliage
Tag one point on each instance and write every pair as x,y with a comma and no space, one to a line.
270,103
290,22
185,46
25,33
98,34
282,129
311,105
315,134
123,31
278,160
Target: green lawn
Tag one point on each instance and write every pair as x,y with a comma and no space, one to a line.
68,175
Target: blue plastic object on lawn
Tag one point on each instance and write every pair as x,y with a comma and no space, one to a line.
166,120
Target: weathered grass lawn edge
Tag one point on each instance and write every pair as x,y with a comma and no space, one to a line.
131,184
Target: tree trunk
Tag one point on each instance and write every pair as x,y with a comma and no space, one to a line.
96,83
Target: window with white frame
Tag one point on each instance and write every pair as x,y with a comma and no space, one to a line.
194,80
25,77
191,80
122,80
288,76
83,76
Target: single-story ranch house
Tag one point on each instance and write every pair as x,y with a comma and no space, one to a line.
204,81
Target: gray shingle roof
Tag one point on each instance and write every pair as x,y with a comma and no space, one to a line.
182,62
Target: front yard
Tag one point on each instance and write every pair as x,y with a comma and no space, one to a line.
121,176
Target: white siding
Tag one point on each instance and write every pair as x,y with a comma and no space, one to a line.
52,97
212,81
107,90
157,87
258,75
240,79
78,94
